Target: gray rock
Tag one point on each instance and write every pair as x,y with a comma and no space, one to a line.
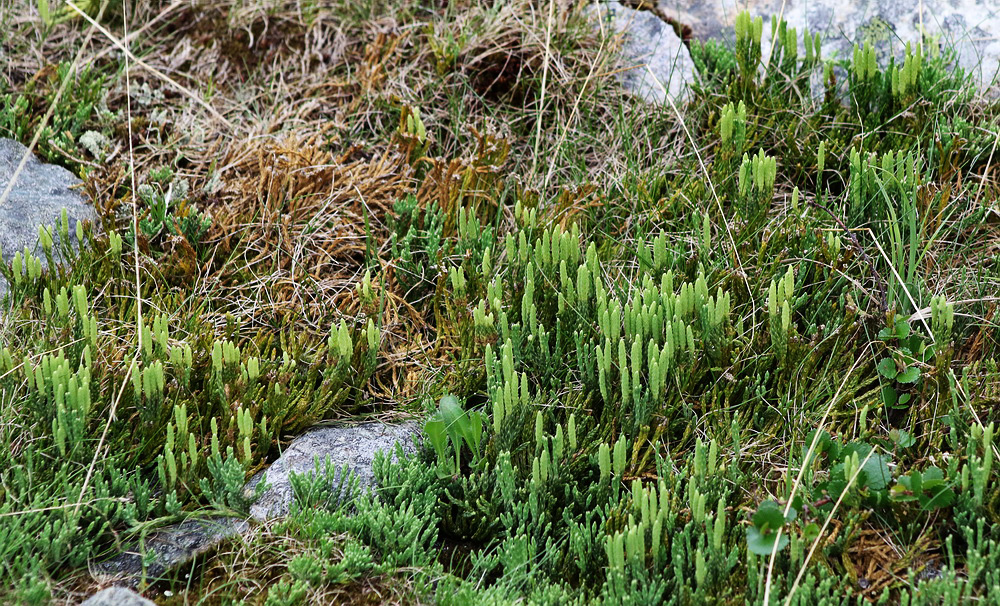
117,596
38,197
171,548
177,545
354,446
649,42
971,27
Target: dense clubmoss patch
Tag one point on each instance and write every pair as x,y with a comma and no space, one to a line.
744,352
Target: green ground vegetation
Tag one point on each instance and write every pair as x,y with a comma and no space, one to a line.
740,351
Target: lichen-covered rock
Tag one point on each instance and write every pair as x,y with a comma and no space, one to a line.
38,197
354,446
117,596
971,27
657,62
171,548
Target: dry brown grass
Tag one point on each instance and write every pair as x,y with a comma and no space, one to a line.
312,167
301,178
310,160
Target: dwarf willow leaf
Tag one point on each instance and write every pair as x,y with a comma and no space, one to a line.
762,543
910,375
877,473
768,516
887,368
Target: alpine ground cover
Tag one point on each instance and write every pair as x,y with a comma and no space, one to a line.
737,350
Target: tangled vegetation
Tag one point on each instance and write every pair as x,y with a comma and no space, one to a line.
741,352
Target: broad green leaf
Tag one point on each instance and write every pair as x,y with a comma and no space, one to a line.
940,497
902,329
910,375
43,12
917,483
810,532
437,434
763,544
768,516
876,470
887,368
835,488
901,437
933,473
452,415
473,431
822,443
901,492
889,395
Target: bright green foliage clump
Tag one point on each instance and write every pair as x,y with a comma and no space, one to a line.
20,113
186,414
168,212
748,51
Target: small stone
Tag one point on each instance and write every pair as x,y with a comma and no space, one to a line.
354,446
117,596
929,572
658,62
38,197
172,547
